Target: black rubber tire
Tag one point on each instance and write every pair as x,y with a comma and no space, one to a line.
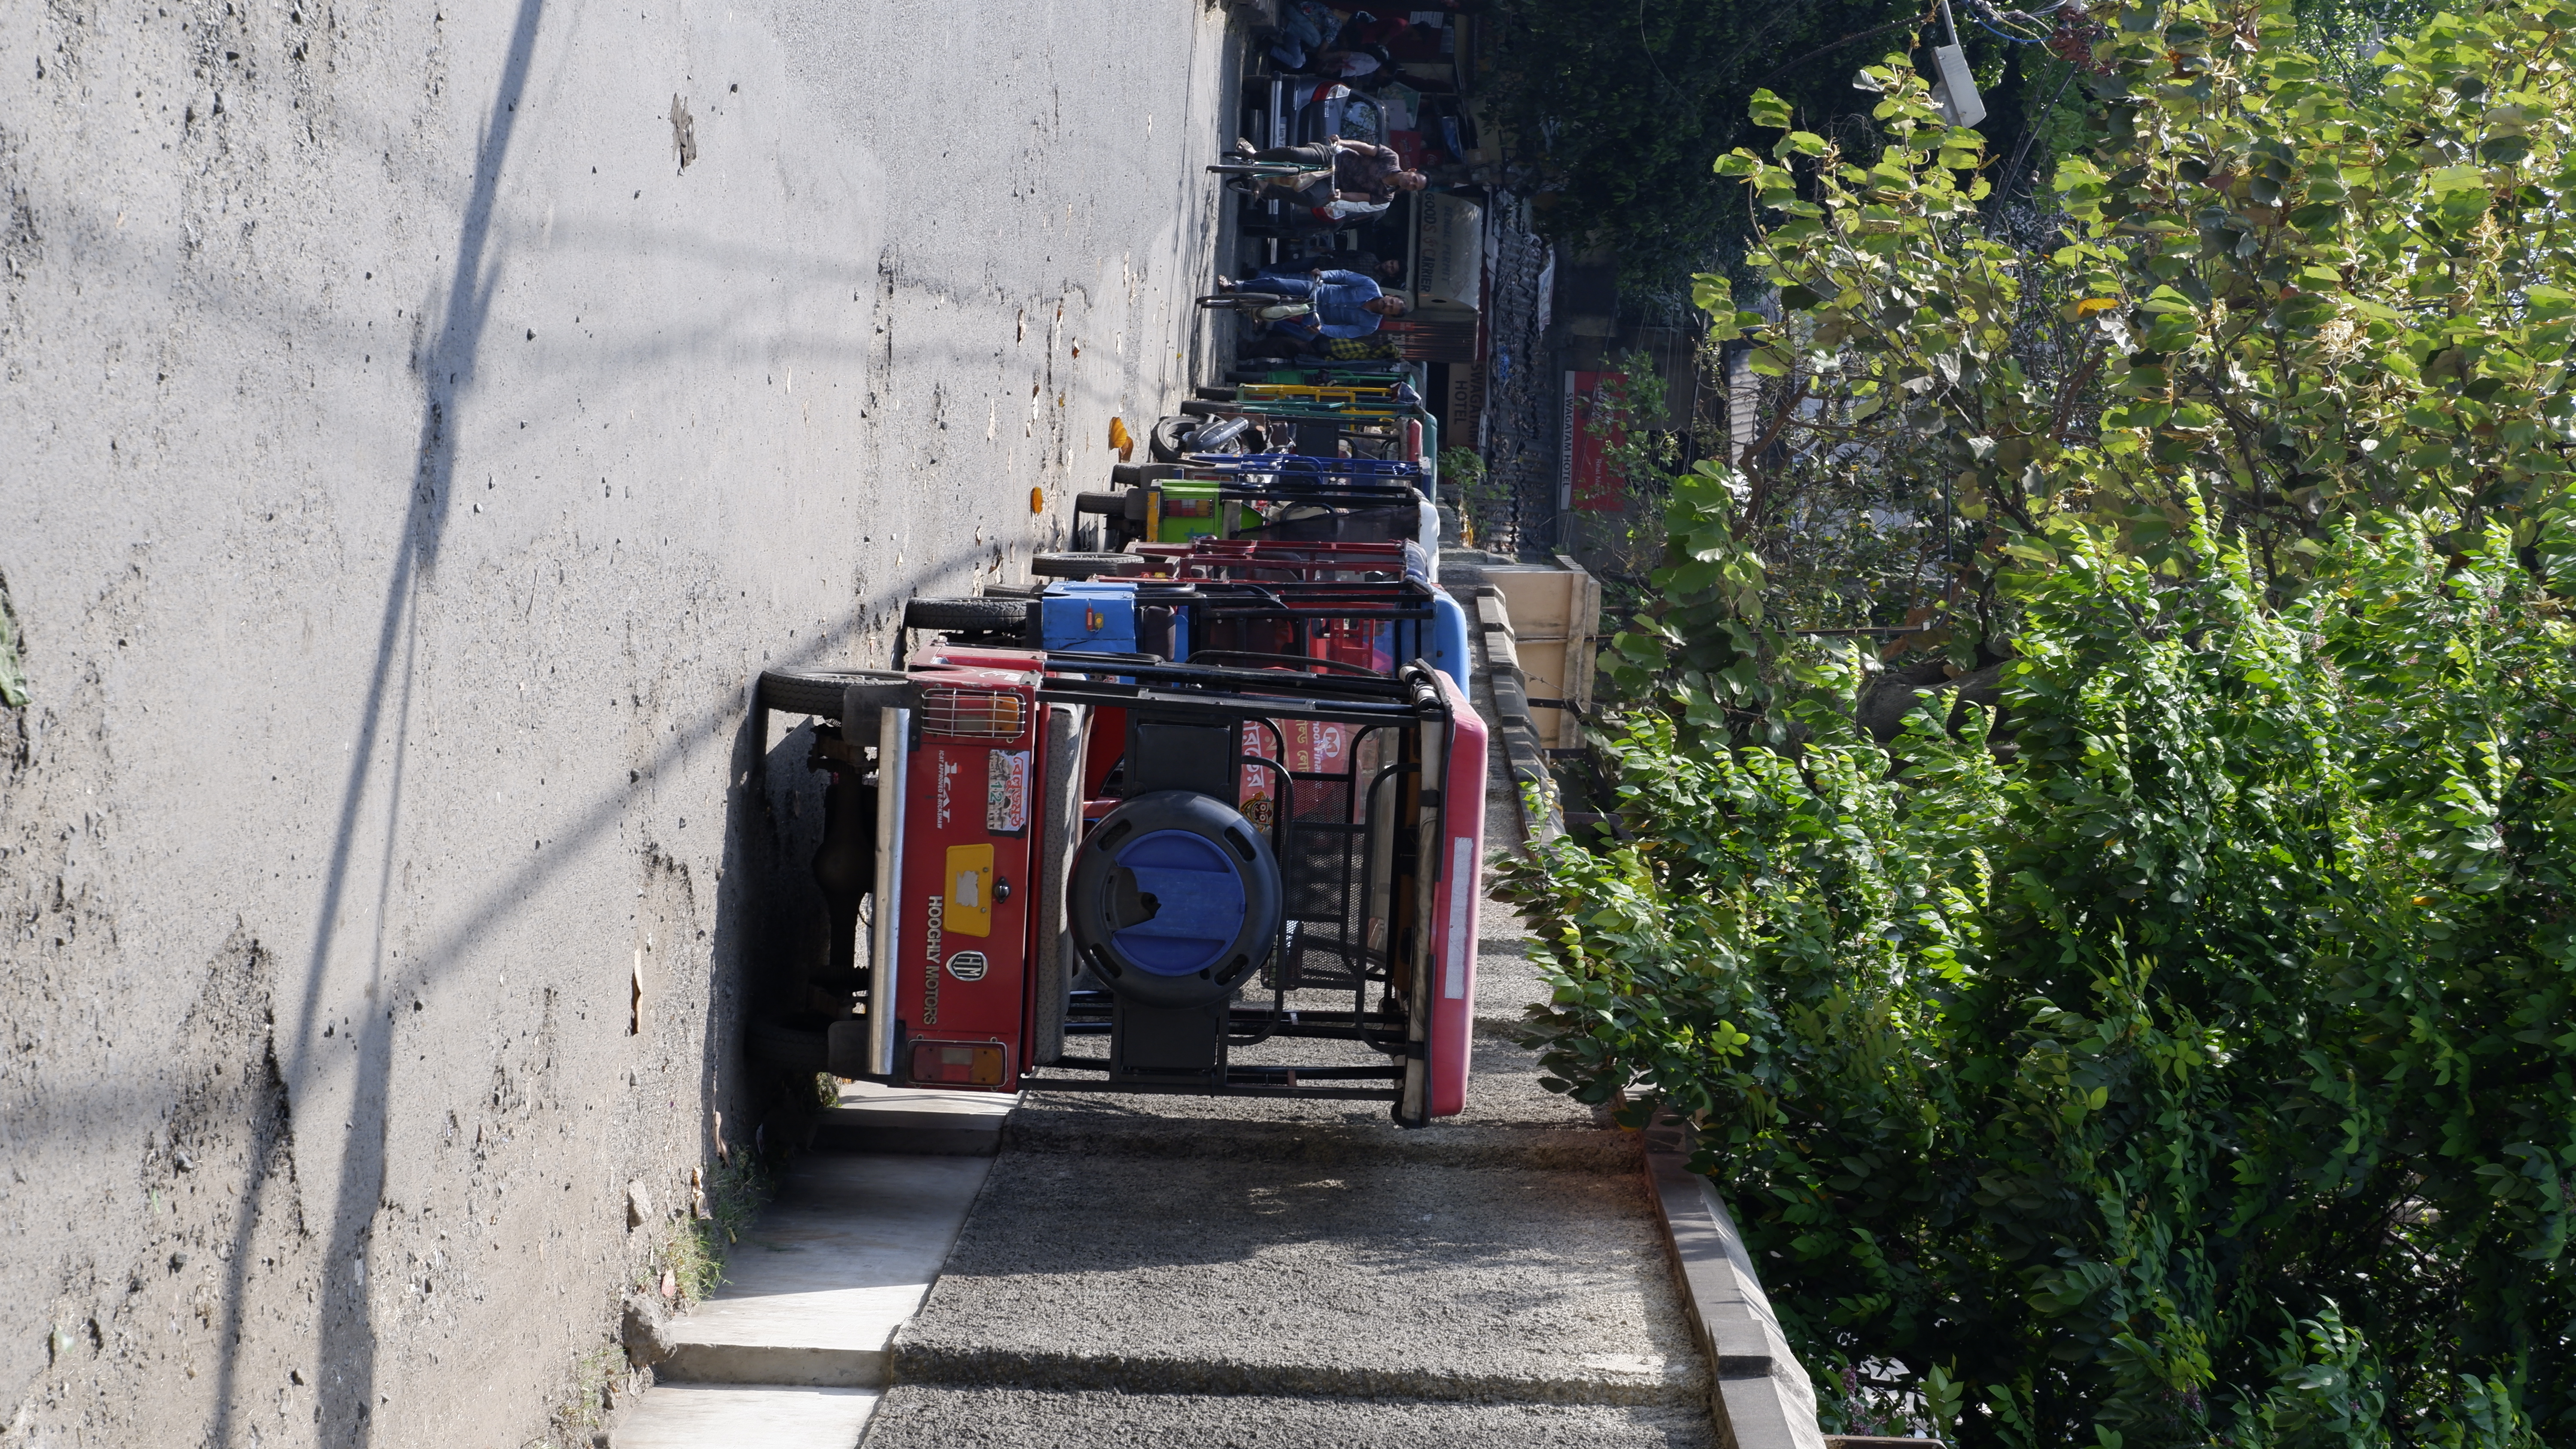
1165,442
1214,394
968,616
1107,505
1086,565
1220,435
787,1048
820,691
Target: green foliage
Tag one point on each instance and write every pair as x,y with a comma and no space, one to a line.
2197,1069
694,1254
1484,502
1637,457
2303,299
1626,105
2179,1055
13,674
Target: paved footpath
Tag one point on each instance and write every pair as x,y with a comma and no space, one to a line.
1229,1272
1248,1271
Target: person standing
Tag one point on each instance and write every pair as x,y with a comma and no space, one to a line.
1388,271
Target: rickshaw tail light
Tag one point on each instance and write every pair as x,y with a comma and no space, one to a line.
967,1064
972,714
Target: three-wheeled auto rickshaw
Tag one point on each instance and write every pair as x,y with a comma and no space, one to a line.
1223,810
1239,880
1268,496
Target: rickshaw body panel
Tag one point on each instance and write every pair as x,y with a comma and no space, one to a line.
1455,903
965,880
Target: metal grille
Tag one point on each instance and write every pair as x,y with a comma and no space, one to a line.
971,714
1323,858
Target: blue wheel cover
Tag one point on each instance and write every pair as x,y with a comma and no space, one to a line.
1200,899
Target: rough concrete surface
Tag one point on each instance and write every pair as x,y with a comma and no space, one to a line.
1365,1279
918,1416
418,424
822,1279
744,1416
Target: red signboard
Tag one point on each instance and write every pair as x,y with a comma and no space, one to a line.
1583,476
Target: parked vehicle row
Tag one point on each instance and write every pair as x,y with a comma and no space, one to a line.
1197,807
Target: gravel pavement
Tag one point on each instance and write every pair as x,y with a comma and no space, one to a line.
1211,1272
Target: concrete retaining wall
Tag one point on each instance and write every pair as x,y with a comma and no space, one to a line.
418,424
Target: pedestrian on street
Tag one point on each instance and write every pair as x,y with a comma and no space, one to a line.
1342,178
1346,304
1388,271
1303,42
1364,263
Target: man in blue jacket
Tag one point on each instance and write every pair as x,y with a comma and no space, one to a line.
1347,304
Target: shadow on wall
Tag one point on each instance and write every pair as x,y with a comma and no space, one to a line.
348,1335
766,908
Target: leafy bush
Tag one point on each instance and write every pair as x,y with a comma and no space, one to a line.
2296,298
2194,1069
2176,1049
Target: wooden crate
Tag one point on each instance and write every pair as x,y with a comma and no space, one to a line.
1555,611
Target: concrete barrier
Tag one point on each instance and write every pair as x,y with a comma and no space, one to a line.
1759,1394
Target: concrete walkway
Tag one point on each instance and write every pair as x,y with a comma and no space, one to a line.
791,1352
1193,1272
1249,1271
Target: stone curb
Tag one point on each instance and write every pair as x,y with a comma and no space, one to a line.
1760,1395
783,1365
1549,1149
906,1134
1761,1391
918,1363
1523,756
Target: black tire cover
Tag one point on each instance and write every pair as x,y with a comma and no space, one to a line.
818,691
976,616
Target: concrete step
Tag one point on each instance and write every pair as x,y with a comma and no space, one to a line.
1510,1120
815,1290
873,1117
1350,1279
744,1416
920,1416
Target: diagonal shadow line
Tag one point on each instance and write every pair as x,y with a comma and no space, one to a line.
829,646
488,914
347,1361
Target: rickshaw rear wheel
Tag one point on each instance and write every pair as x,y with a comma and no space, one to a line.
1168,438
821,691
968,616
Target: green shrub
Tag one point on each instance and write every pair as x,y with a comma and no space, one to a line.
2190,1063
2182,1055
